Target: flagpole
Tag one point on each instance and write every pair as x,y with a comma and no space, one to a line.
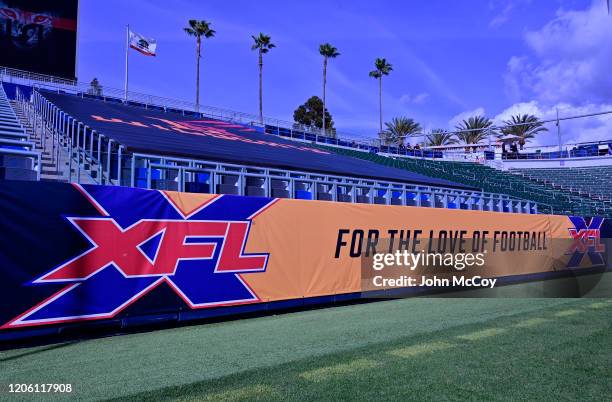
127,52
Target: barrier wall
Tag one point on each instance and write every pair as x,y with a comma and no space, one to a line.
71,254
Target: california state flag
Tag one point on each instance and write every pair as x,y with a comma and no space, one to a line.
144,45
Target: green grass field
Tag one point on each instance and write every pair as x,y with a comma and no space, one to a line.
411,349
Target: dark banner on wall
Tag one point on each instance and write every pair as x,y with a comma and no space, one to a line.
39,36
71,254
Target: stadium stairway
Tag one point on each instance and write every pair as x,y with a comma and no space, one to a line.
54,158
550,199
18,158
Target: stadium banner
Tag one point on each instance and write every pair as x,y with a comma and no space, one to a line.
39,36
73,253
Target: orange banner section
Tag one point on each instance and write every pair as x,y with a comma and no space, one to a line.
320,248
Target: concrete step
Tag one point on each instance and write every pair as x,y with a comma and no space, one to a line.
53,178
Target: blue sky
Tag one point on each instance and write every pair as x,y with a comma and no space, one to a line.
450,58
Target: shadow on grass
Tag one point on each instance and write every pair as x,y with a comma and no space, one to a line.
35,351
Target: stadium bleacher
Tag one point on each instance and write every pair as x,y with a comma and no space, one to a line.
157,132
146,146
142,146
18,158
593,182
550,198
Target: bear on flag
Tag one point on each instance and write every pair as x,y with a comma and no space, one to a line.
144,45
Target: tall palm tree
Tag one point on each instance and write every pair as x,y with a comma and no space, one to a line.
439,137
398,129
262,45
524,127
382,68
474,129
328,52
199,29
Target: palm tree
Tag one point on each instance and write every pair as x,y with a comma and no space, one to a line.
328,52
524,127
382,68
398,129
262,45
439,137
199,29
474,129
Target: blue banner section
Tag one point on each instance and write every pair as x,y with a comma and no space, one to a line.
73,253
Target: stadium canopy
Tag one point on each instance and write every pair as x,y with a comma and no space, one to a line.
164,133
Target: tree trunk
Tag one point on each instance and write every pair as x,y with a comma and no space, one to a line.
380,102
324,84
260,87
198,45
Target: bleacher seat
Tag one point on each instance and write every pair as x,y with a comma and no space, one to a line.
592,182
551,196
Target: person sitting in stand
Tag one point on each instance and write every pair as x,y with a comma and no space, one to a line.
514,150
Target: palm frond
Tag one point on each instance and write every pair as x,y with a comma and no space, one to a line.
329,51
382,68
439,137
524,127
474,129
398,129
262,42
200,29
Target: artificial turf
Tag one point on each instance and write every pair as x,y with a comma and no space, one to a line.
410,349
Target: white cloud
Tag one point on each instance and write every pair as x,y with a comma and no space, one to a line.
456,120
570,61
569,69
416,99
507,7
519,109
594,128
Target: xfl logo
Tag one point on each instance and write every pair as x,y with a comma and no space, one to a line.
586,240
142,239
